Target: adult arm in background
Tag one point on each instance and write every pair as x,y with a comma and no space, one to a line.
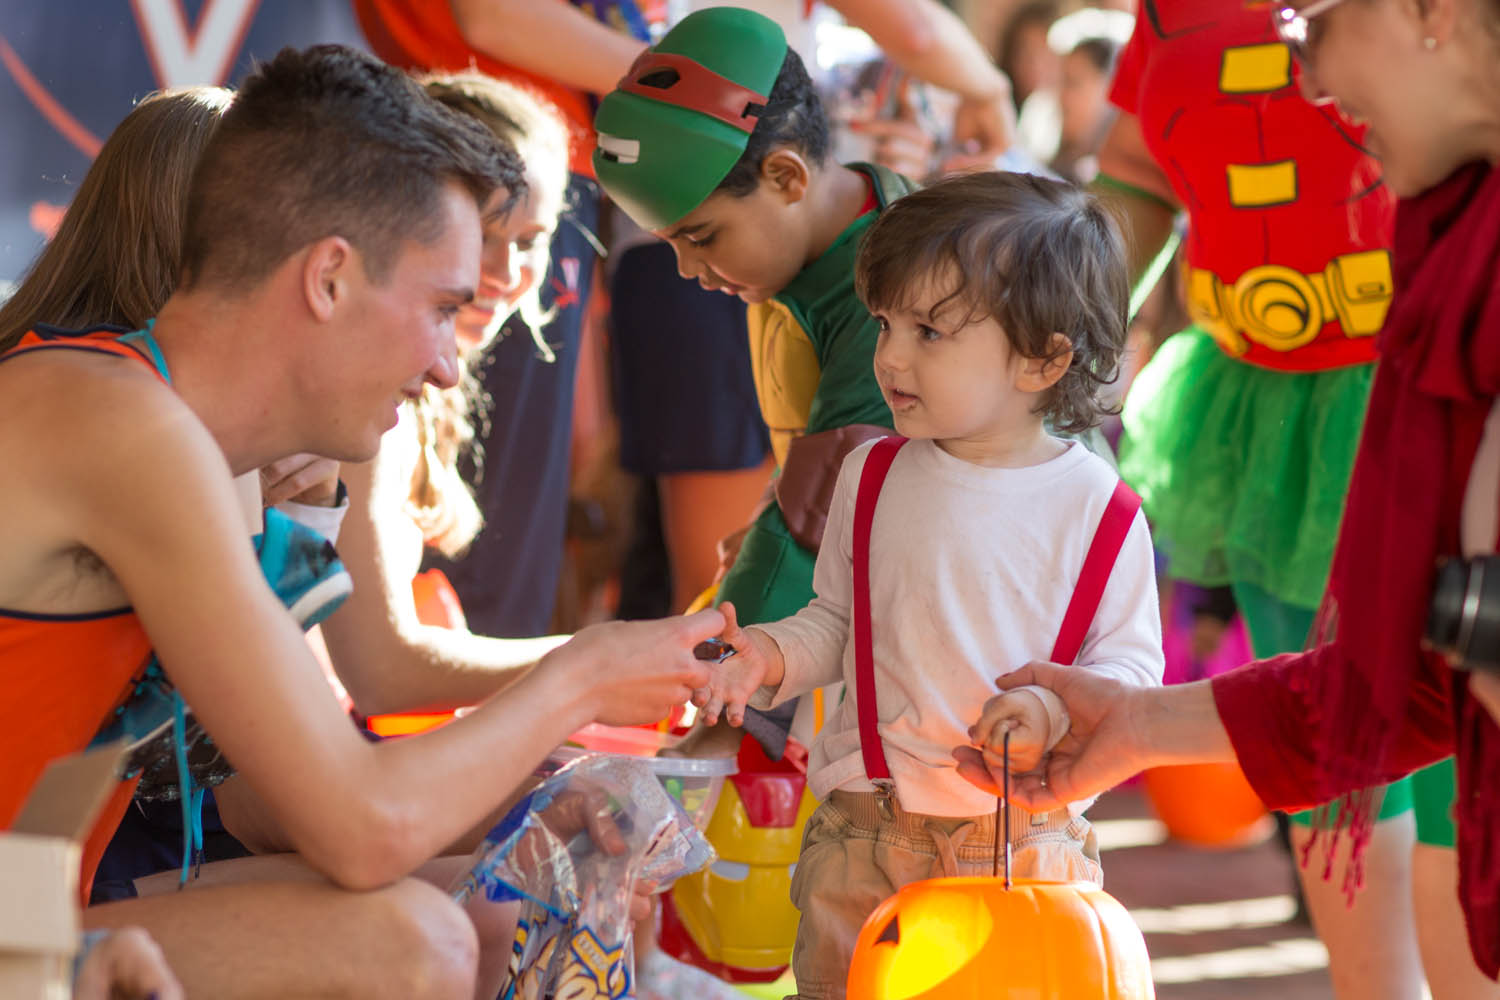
1132,183
1479,533
384,656
550,38
152,498
931,43
556,40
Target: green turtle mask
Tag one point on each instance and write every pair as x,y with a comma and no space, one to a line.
681,118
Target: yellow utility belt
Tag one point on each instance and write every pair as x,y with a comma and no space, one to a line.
1283,309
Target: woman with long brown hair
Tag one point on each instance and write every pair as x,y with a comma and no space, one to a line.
116,253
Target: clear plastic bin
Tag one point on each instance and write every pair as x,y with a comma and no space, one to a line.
695,782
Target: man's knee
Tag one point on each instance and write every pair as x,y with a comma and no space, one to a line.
431,943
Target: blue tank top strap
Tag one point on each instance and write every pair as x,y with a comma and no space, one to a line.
143,338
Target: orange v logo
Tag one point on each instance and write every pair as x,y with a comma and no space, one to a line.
186,56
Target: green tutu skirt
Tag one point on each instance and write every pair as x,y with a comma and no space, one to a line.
1243,470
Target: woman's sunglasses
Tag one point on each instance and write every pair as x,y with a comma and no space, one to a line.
1295,28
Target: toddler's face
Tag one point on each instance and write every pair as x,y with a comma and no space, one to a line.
958,383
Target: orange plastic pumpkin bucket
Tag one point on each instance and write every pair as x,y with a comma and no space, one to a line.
1207,805
973,939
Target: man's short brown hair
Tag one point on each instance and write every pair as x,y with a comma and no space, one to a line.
1039,256
329,141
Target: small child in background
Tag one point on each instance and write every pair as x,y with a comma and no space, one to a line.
1086,114
1001,301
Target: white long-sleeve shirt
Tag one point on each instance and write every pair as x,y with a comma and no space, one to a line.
971,570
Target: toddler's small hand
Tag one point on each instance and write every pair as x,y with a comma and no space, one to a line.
735,678
1020,713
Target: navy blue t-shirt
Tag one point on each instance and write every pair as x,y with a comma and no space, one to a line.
507,581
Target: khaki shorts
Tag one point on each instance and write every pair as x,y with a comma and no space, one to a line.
852,860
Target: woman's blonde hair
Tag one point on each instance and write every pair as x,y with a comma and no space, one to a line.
117,255
440,502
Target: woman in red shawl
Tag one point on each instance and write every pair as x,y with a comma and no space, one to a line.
1368,704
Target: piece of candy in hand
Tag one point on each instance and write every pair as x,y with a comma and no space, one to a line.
716,650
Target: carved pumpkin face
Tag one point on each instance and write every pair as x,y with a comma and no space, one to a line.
971,938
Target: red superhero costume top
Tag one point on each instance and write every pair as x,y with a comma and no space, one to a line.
1286,259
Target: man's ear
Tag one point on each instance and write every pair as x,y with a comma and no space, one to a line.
787,174
1038,374
325,275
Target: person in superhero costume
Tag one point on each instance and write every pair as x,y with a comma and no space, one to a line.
1240,433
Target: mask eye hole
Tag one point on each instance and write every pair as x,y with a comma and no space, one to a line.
892,932
660,79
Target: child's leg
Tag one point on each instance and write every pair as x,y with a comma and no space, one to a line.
837,885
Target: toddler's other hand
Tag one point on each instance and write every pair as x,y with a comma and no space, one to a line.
1022,714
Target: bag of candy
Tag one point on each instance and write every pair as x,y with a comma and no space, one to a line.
572,852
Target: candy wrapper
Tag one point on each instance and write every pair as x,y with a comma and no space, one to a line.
572,852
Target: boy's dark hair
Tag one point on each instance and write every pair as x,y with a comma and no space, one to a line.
1038,256
330,141
794,117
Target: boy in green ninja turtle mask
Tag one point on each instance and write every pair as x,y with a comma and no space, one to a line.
716,142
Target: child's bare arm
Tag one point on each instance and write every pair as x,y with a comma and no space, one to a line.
756,662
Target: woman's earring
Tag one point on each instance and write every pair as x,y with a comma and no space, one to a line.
1429,43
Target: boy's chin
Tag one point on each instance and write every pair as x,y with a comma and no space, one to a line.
750,296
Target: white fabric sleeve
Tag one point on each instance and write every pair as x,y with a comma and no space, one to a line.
326,521
1124,641
812,641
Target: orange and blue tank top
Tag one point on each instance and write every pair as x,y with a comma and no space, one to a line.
65,675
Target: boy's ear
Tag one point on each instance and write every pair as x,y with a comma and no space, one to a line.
1038,374
325,275
787,174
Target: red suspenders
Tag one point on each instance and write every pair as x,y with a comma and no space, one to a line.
1114,525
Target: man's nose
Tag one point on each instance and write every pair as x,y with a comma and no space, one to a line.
444,371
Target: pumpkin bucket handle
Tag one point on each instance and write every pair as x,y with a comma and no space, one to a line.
1002,814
